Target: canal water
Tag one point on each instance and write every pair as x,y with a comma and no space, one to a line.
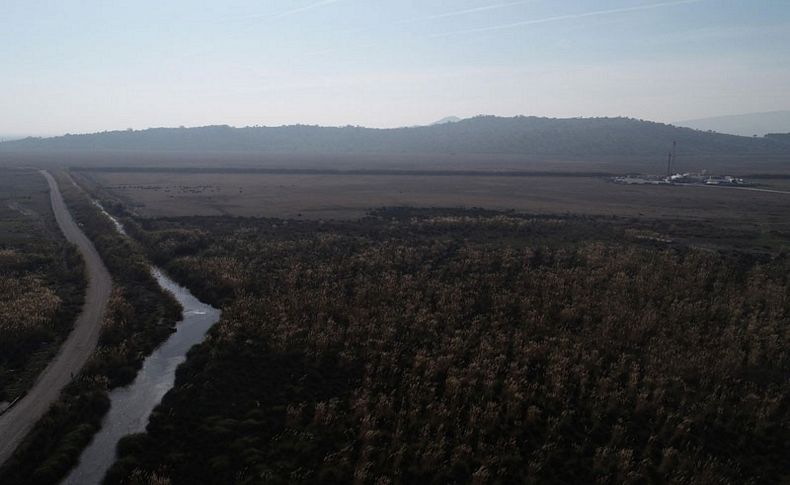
131,406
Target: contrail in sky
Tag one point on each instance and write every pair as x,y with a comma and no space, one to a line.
466,12
297,10
558,18
455,13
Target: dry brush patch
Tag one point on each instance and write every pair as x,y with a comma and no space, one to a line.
27,311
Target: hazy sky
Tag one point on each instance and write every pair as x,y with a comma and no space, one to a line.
90,65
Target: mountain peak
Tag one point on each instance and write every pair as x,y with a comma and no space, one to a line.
447,119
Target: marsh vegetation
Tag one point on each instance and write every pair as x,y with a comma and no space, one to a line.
427,346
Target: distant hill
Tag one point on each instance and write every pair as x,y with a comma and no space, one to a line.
10,137
448,119
750,124
529,136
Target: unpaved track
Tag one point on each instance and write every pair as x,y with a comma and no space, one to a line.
751,189
77,348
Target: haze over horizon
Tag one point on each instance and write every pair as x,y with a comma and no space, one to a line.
84,67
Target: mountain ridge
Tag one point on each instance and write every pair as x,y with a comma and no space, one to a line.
574,137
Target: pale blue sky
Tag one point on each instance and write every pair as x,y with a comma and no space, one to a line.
90,65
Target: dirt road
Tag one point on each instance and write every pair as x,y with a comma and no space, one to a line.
751,189
75,351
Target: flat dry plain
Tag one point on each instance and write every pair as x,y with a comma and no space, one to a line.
342,196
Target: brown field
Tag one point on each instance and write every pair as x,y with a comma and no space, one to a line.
164,194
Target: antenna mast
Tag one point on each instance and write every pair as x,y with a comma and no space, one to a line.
672,157
669,165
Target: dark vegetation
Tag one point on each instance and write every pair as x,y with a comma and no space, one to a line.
41,281
471,346
542,137
783,137
140,315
